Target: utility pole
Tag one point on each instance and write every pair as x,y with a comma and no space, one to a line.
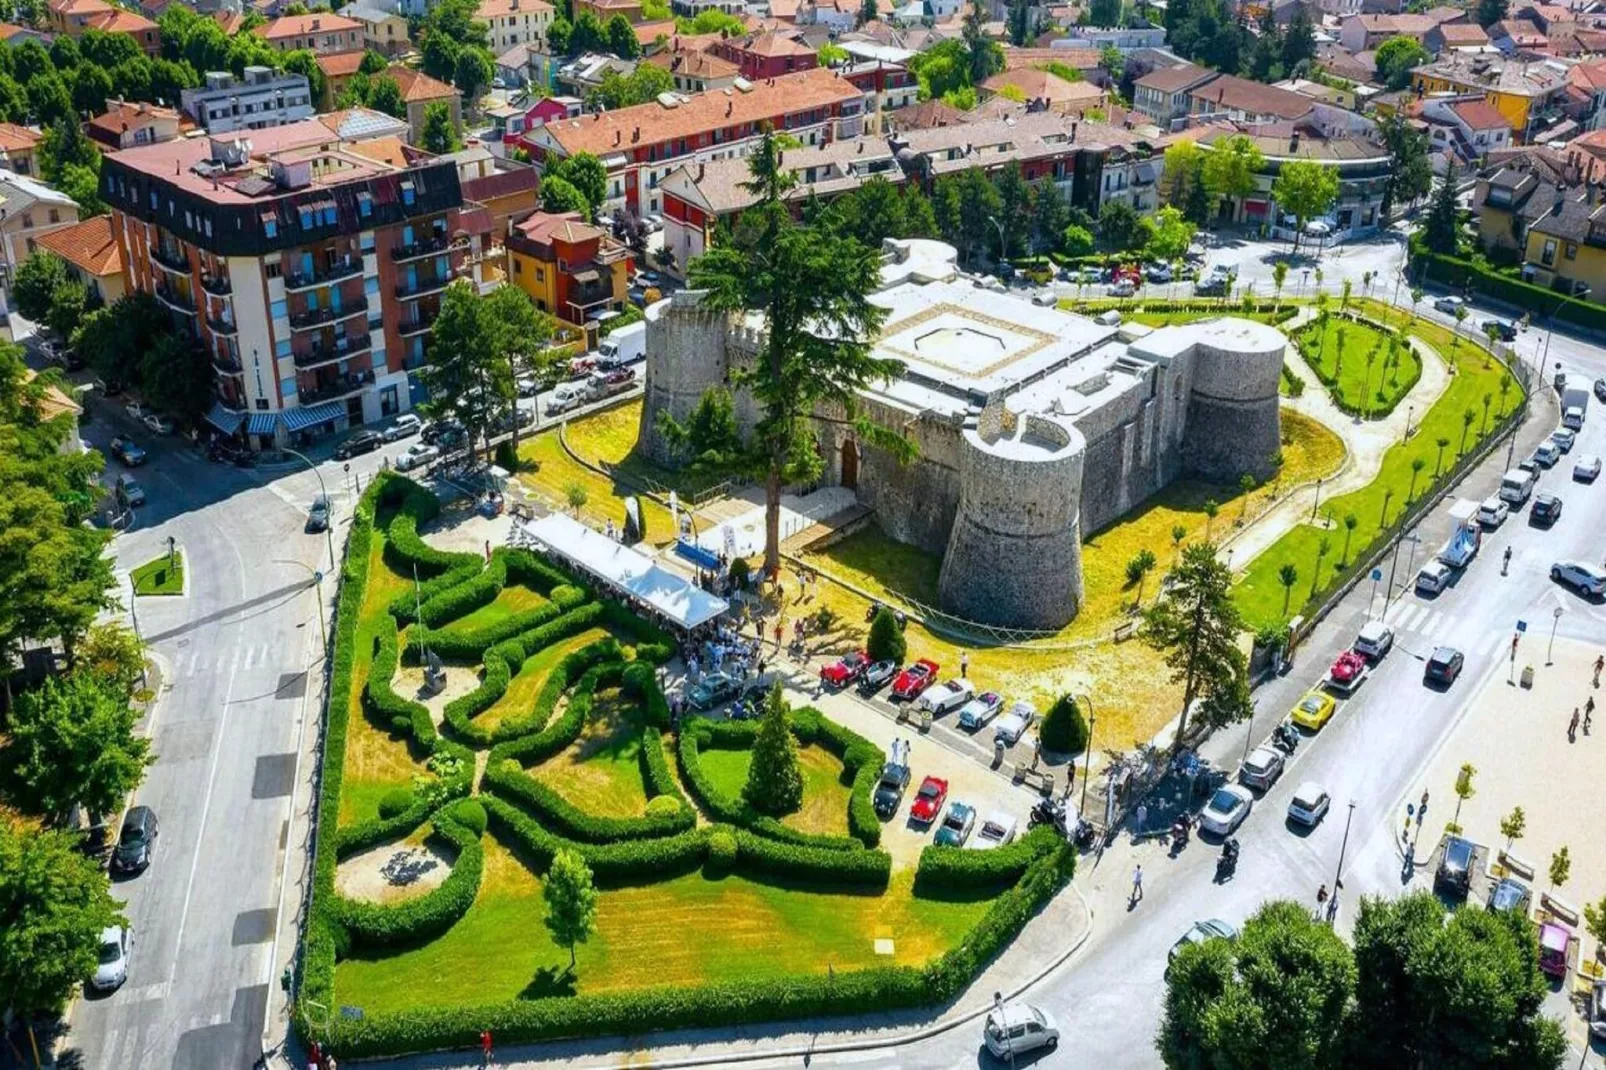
133,615
1087,762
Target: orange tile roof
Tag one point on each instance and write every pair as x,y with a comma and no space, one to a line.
89,244
1480,115
1041,85
120,21
493,9
231,21
692,63
773,44
119,115
388,150
80,7
340,64
55,401
14,138
652,123
417,86
8,30
302,25
544,227
1588,76
648,32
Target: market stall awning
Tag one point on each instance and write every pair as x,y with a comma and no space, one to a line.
630,572
264,423
226,420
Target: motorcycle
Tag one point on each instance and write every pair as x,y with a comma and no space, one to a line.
1227,864
1285,737
1047,812
1179,834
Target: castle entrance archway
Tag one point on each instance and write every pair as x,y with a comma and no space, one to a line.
850,464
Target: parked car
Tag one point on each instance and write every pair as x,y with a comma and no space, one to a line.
1546,510
890,788
1547,453
136,842
846,669
111,966
1511,894
975,714
1375,639
1448,305
956,825
997,830
1434,577
1493,512
127,451
1597,1010
915,679
928,800
946,696
362,442
1045,298
876,676
1455,869
318,513
1347,671
1158,272
1309,804
1313,711
1587,468
405,426
1587,579
441,432
1226,810
1564,438
416,456
1015,723
1121,288
1443,666
1505,332
1200,932
1019,1028
128,490
1600,389
1262,768
712,690
158,424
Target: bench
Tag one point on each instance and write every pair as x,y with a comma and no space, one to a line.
1517,864
1560,908
1126,630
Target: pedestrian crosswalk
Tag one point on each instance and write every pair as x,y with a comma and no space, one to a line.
1421,625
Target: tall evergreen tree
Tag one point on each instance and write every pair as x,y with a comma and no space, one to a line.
1195,624
774,780
1439,230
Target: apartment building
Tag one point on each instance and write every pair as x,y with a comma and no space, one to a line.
19,148
1363,168
73,17
419,91
515,22
29,209
263,98
765,55
1227,96
320,34
887,87
125,124
568,267
308,269
383,31
1162,94
1527,94
694,70
92,256
642,144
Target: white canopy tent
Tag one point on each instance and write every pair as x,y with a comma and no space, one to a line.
632,572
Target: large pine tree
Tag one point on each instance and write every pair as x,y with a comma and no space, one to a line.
774,780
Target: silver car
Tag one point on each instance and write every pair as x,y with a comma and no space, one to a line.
1262,768
1587,468
978,711
111,966
1581,576
1014,723
1018,1028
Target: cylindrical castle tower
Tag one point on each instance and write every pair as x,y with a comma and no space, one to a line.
1232,425
685,357
1015,553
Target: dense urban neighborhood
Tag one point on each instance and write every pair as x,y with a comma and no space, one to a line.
584,533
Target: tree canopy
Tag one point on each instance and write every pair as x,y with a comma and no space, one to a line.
1195,624
774,779
72,742
1395,58
1305,190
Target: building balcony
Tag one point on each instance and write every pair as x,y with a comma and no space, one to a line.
318,317
224,364
170,260
216,285
352,345
420,287
339,387
426,247
222,326
307,280
418,324
175,300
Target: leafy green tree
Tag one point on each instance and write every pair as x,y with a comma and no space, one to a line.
1395,58
519,336
774,780
984,56
1561,866
372,63
812,290
303,62
1230,168
112,652
1299,41
1439,231
560,36
621,36
439,135
709,440
1120,226
1104,13
585,173
1287,576
1076,241
1137,570
647,82
83,186
67,305
50,99
472,72
1020,22
571,901
385,95
1513,825
559,195
36,283
112,339
469,377
1172,235
91,85
1306,190
1492,11
1014,207
55,902
1195,624
175,375
886,641
1182,163
72,742
1277,998
867,12
1064,729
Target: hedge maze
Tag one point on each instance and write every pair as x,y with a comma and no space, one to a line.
481,792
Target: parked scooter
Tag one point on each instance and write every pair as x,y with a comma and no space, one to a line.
1285,737
1047,812
1227,864
1179,833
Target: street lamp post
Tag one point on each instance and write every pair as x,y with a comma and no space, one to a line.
1388,594
133,615
1087,763
1318,499
1003,243
1003,1026
329,523
1338,874
317,581
1555,619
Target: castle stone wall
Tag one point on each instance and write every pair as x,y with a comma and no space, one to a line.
685,357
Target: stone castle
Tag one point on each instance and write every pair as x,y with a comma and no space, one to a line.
1033,425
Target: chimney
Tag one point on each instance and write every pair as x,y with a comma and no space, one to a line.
701,168
616,137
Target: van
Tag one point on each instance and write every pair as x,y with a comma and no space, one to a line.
624,346
1573,418
1516,485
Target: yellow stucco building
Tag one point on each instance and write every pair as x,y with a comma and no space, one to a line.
1520,91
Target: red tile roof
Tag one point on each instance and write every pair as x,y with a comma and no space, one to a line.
1041,85
1480,115
417,86
120,115
14,138
302,25
340,64
544,227
495,9
120,21
1230,92
89,244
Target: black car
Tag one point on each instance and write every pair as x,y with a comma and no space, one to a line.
137,841
436,432
1502,330
1546,509
889,790
1444,665
1600,389
318,514
1455,871
358,444
1510,895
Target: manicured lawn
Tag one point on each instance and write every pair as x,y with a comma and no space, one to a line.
601,772
160,577
825,796
881,565
527,682
686,931
549,472
514,598
1165,318
1360,373
1259,593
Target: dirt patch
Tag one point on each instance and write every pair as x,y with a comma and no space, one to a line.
396,872
460,680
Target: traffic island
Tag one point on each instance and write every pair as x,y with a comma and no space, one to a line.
163,576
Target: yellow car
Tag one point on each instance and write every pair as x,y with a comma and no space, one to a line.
1314,710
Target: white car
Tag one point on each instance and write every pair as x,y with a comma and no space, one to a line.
406,424
946,697
1434,577
1547,453
158,424
111,967
1045,299
1493,512
1262,768
1016,721
416,456
1227,809
1564,438
1448,305
1309,804
1581,576
1122,288
996,830
1375,639
1018,1028
978,711
1587,468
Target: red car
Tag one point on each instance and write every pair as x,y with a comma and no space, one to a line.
1347,670
915,679
845,670
928,801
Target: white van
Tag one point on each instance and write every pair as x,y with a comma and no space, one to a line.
624,346
1516,485
567,396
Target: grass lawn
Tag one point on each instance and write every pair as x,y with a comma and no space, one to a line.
881,565
1261,596
549,472
1181,316
158,577
608,439
825,795
1373,387
527,682
601,772
514,598
686,931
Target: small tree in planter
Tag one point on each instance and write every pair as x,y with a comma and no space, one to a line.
774,781
886,642
1595,925
1064,729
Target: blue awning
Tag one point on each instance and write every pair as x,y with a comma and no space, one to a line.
263,423
296,419
226,420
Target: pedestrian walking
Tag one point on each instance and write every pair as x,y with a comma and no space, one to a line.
1332,908
1589,712
1321,899
1572,727
485,1047
316,1054
780,629
1137,884
1143,820
964,665
1600,663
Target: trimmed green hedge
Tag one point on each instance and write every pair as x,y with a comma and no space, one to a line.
586,669
1537,300
470,644
404,607
402,714
404,548
944,869
511,782
464,598
861,758
385,925
658,859
795,861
